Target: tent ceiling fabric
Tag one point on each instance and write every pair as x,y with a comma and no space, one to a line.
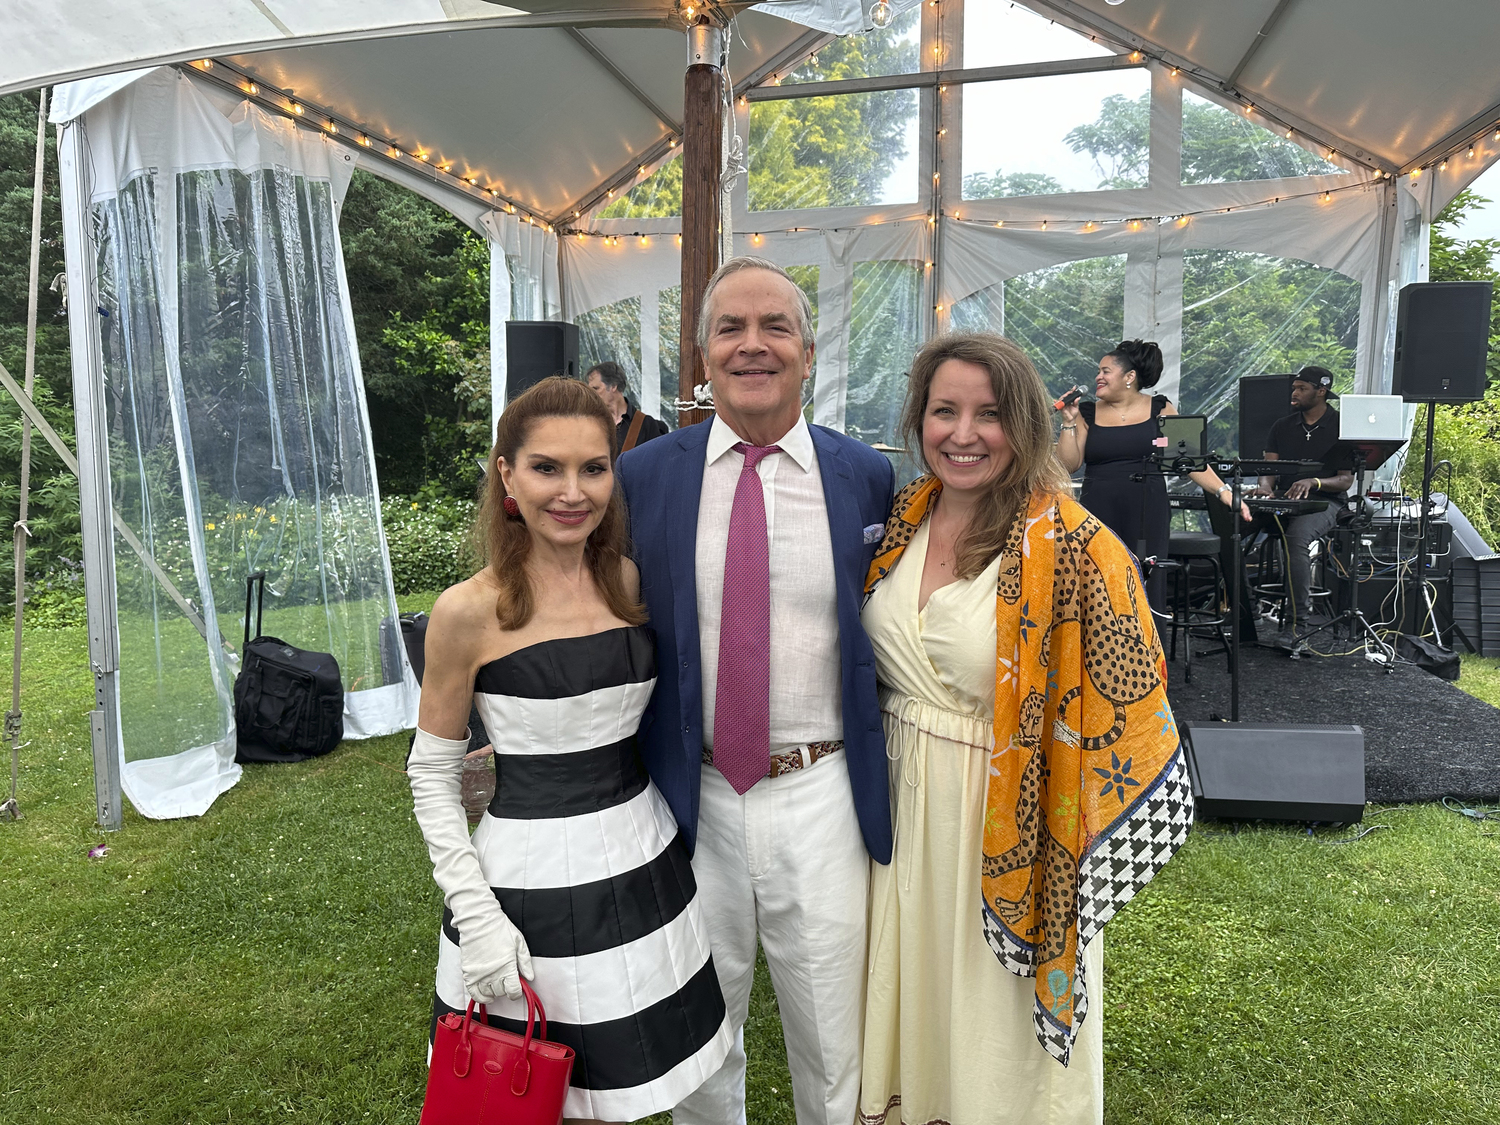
526,107
1392,78
526,111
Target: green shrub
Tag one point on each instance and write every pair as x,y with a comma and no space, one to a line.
429,542
1468,437
54,598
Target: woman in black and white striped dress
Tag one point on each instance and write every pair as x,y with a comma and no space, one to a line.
576,878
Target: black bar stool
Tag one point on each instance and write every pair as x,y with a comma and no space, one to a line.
1199,600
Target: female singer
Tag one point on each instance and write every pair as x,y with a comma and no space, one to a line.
1114,437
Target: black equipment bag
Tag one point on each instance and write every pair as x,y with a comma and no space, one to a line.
1441,662
288,703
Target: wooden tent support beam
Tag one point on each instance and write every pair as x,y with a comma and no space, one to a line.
702,167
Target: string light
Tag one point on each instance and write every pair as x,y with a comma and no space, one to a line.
1471,152
296,107
1135,56
422,156
1443,167
643,240
204,64
364,141
393,152
250,88
1327,195
1174,72
1044,224
331,125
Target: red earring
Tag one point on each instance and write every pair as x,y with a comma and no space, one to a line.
512,508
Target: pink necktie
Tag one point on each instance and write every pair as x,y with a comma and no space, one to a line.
742,699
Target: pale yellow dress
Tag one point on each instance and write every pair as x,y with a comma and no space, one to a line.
948,1031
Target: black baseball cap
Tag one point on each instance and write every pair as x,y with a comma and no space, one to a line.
1318,377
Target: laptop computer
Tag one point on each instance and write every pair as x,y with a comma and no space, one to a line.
1372,418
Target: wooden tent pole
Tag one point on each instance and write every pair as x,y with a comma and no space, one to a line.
702,166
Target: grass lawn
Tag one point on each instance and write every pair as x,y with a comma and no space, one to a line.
272,960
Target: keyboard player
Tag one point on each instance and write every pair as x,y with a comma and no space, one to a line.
1309,433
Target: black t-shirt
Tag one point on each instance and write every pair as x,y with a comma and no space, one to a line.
1292,439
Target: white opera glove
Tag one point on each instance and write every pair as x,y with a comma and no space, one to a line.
492,951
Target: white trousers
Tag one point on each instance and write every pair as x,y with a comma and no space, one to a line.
786,860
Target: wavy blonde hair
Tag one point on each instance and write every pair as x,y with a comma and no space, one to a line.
1026,418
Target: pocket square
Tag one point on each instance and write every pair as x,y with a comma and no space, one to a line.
873,533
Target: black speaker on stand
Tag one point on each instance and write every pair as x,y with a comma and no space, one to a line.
535,349
1277,771
1442,344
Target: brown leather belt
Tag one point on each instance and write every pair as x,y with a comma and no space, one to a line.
789,760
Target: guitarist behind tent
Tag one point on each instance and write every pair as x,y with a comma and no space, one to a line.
1309,433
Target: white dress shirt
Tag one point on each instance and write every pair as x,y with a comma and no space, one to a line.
806,686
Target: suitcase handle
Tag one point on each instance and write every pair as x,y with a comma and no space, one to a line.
260,603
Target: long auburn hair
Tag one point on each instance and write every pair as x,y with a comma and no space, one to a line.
505,540
1026,418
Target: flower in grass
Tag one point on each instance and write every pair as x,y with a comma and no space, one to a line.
98,851
209,526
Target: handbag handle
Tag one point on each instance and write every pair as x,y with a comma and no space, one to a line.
463,1055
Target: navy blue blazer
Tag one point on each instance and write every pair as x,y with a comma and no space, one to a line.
663,480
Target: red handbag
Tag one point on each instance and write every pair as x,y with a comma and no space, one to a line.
482,1075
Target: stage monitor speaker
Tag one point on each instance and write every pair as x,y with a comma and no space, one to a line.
1442,341
535,349
1277,771
1264,400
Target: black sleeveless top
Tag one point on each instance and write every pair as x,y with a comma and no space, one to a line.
1135,510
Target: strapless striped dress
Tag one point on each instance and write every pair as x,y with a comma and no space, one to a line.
586,859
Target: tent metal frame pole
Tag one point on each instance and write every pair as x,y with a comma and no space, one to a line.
1258,42
10,807
623,79
1191,72
95,513
929,78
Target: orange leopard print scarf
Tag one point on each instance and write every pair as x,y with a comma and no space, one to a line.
1088,792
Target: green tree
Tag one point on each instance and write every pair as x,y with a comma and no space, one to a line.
419,286
53,514
982,185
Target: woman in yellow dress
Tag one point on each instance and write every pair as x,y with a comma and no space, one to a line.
1038,777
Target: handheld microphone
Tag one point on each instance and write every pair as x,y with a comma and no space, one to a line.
1069,398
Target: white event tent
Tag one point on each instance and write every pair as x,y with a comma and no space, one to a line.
205,151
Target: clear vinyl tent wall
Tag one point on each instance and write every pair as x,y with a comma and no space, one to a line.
1014,174
222,409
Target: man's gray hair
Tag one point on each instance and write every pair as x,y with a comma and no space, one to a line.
746,262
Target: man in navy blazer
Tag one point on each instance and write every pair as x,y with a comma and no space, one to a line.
786,859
